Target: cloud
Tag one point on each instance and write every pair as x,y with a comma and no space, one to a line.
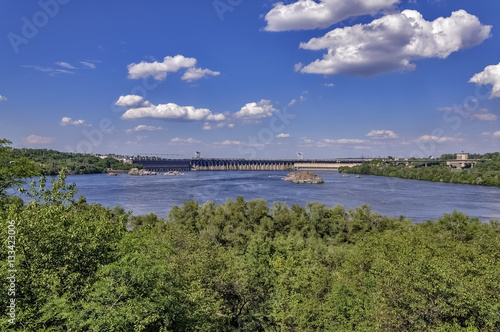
35,139
348,141
228,142
309,14
132,101
342,141
143,128
382,134
68,68
437,139
283,135
139,108
327,141
489,76
306,140
190,140
293,102
49,70
65,65
254,111
329,85
3,98
483,115
466,112
159,70
193,74
66,121
88,64
216,117
392,42
488,135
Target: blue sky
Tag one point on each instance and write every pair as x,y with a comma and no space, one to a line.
251,79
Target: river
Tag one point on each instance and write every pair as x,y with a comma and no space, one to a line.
418,200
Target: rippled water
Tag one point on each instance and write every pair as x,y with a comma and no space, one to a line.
418,200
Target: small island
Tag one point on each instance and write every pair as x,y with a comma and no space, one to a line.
303,177
141,172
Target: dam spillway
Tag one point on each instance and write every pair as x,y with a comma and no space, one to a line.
218,164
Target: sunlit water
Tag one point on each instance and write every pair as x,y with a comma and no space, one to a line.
418,200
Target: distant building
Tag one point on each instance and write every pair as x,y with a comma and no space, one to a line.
459,162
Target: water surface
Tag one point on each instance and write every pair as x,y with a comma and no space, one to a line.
419,200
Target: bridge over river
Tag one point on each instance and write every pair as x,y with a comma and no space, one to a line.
217,164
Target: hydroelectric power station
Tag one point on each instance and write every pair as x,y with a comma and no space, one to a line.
217,164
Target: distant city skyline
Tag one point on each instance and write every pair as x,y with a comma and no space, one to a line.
252,79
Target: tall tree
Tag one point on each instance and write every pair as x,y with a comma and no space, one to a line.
13,170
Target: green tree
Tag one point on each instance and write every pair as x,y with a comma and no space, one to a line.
13,170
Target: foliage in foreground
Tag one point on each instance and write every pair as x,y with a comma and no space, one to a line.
241,266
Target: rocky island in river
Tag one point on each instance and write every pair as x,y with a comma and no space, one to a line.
303,177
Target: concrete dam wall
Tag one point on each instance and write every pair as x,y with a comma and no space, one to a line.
165,165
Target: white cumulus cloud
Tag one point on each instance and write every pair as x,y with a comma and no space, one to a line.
254,111
193,74
438,139
228,142
159,70
483,115
143,128
132,101
468,112
216,117
382,134
190,140
283,135
66,121
306,140
489,76
3,98
392,42
349,141
310,14
139,108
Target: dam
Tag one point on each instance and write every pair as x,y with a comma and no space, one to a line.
218,164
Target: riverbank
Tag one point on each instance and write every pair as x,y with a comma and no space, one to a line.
483,174
51,162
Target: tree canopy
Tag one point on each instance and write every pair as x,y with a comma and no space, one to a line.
485,173
13,169
246,266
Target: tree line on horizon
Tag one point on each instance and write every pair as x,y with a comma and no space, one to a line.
486,173
52,162
241,266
